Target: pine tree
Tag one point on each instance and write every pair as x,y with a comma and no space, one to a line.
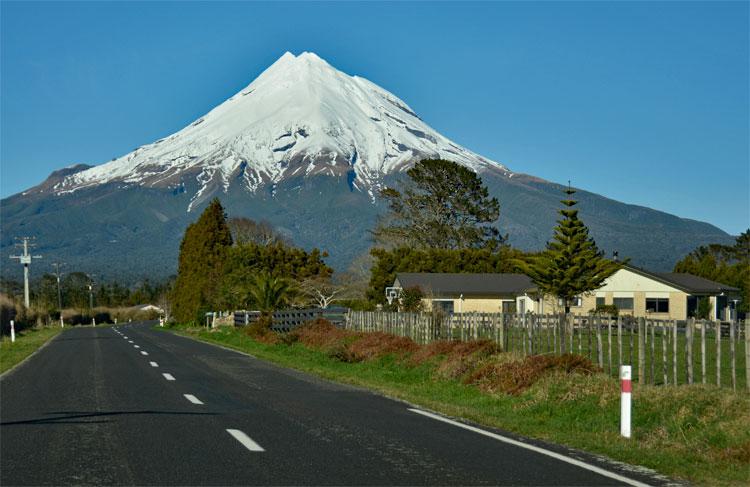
202,255
572,265
442,205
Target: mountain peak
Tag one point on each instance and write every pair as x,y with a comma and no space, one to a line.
300,117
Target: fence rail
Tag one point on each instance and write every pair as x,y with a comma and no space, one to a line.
663,352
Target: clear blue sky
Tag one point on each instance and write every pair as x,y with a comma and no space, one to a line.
646,103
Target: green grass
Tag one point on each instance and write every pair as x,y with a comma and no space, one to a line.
697,433
27,342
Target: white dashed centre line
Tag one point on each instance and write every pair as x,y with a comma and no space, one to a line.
130,341
168,376
246,441
192,399
154,364
137,346
143,352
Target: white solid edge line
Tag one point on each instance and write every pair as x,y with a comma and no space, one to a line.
192,399
143,352
537,449
154,364
246,441
168,376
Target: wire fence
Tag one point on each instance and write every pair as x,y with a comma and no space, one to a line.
662,352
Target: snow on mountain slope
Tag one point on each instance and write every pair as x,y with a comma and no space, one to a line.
301,116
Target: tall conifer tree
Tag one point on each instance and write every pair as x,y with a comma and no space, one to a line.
202,254
572,264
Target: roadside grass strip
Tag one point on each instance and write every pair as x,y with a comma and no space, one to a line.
192,399
27,342
543,451
246,441
168,376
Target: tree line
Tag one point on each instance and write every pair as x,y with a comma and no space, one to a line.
442,219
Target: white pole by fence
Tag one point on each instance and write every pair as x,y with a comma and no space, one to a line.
12,331
626,389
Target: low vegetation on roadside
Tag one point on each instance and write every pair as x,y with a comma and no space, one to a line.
696,433
27,342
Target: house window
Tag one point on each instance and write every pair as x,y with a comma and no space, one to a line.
657,305
444,306
625,303
509,306
576,302
599,302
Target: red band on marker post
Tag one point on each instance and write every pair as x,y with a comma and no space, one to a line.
627,385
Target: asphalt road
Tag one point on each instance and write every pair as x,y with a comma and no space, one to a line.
131,405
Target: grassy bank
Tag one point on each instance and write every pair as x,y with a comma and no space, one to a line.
697,433
27,342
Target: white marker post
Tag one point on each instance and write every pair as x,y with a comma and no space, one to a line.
626,388
12,331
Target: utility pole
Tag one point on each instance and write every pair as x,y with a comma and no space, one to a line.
25,260
57,266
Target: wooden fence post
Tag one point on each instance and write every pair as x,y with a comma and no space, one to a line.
747,353
599,350
641,350
619,342
664,336
689,348
609,345
652,347
703,351
674,352
731,355
718,353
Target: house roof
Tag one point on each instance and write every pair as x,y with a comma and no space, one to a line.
452,284
686,282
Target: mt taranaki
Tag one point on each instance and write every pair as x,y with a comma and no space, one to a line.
307,148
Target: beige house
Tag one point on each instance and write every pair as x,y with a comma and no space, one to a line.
457,293
661,295
633,291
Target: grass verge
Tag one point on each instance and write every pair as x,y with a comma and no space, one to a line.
696,433
27,342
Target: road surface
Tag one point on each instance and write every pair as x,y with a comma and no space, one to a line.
131,405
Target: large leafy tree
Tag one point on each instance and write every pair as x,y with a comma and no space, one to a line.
572,265
442,205
728,264
246,261
202,254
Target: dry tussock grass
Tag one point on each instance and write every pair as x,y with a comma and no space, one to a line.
517,376
374,345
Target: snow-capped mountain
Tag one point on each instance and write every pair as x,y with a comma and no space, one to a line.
300,116
305,147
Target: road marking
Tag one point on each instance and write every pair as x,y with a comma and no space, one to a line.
246,441
136,346
168,376
125,337
130,341
154,364
192,399
143,352
537,449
